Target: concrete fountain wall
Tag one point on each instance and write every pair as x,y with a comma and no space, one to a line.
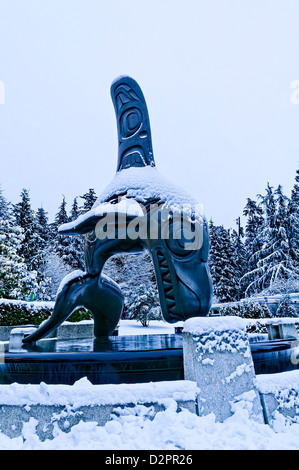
219,377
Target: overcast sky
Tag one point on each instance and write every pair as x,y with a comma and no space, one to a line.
216,75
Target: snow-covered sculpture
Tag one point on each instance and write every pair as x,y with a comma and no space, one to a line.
140,209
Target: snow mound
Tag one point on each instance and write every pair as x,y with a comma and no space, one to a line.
146,183
83,393
200,325
274,383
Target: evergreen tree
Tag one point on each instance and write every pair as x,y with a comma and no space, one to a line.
32,244
130,271
293,223
240,256
75,254
255,222
52,272
42,225
89,200
69,248
61,216
4,207
222,264
16,281
273,259
75,211
61,242
144,305
286,308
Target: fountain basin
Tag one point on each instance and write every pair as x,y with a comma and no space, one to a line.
119,359
124,359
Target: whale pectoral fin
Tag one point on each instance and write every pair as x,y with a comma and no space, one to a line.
80,226
67,300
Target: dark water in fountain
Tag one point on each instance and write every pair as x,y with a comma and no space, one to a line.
120,359
123,359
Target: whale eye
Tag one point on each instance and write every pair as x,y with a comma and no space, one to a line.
179,246
183,237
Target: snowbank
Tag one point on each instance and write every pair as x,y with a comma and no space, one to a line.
274,383
83,393
136,428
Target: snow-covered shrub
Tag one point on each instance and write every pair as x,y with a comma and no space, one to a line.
14,312
79,315
230,310
256,327
143,305
282,286
247,310
255,310
286,308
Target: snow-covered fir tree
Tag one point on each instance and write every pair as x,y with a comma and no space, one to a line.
42,224
286,308
89,199
61,242
16,280
240,255
223,265
32,244
130,271
4,206
75,210
52,271
254,224
143,304
273,259
76,242
293,223
69,248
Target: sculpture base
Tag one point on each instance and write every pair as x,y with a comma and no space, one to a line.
123,359
118,359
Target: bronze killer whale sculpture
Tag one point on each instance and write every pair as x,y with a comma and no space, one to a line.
139,210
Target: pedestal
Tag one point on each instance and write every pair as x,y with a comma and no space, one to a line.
217,357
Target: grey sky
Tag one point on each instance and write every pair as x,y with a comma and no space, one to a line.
216,75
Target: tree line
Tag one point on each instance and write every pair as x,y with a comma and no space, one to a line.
33,256
262,256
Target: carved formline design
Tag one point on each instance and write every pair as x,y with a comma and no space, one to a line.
133,126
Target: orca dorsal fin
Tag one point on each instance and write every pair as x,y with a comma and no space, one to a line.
133,126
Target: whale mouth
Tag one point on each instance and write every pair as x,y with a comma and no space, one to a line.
167,285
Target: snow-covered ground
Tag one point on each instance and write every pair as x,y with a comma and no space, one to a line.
136,428
133,327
